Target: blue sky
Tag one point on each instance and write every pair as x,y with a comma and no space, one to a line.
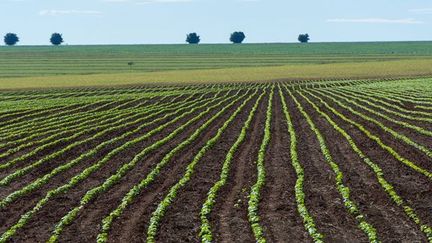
168,21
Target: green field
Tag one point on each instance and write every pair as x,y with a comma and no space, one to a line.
184,162
326,142
71,66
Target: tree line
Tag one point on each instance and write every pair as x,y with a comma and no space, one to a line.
237,37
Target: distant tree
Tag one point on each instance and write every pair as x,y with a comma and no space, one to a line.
237,37
130,64
11,39
303,38
193,38
56,39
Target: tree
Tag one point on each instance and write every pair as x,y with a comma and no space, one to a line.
193,38
56,39
11,39
237,37
303,38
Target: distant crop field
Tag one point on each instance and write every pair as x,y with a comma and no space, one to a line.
46,60
29,67
299,161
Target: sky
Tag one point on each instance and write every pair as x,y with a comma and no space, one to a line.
168,21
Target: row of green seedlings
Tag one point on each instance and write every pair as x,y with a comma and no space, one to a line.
70,107
135,191
380,107
346,97
97,94
205,229
308,220
81,119
89,92
56,110
393,133
108,116
49,127
162,207
44,180
388,187
424,103
376,139
328,84
343,190
418,96
58,117
400,99
120,96
76,180
98,121
82,129
88,106
255,192
405,96
54,118
46,120
373,93
380,99
118,125
59,94
7,113
121,172
47,105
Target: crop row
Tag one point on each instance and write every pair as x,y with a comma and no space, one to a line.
387,186
255,191
393,133
205,229
99,119
308,220
77,119
380,99
125,168
343,190
77,179
42,181
158,214
349,97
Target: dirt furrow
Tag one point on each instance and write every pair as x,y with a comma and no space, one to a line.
370,197
58,206
278,206
410,185
322,198
133,224
229,219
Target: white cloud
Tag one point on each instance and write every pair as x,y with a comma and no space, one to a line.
377,21
54,12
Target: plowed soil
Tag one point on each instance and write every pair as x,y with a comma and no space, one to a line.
279,219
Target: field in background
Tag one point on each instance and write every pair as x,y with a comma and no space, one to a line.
289,161
73,66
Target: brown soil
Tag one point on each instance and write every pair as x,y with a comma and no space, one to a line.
278,211
370,197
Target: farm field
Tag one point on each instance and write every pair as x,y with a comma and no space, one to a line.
46,60
298,161
94,66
